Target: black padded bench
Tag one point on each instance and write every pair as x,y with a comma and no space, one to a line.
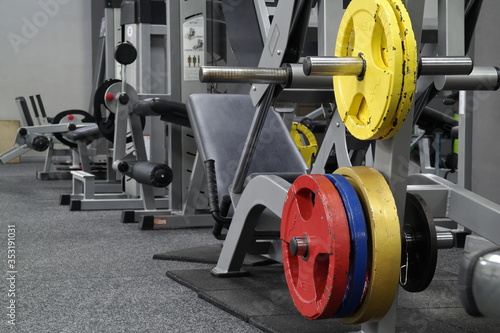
221,123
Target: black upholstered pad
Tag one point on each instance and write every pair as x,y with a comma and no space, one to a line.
221,123
170,111
89,133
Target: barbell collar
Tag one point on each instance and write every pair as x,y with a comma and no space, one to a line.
334,66
481,78
299,246
297,79
445,66
445,240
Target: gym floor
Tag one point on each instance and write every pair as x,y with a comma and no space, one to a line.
88,272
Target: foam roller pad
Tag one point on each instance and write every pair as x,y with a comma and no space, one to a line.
148,173
170,111
89,133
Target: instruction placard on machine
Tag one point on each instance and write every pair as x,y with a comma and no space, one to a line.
194,47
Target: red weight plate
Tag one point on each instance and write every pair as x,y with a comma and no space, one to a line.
314,218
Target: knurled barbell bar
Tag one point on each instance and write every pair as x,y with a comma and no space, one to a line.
374,69
365,120
289,74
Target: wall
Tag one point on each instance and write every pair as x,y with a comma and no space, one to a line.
486,111
46,49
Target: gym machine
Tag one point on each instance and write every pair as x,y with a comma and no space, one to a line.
159,76
89,193
346,240
75,129
162,77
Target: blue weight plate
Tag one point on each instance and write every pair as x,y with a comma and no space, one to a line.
359,246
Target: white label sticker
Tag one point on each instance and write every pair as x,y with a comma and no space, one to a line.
194,47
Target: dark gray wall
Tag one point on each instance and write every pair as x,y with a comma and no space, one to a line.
46,49
486,123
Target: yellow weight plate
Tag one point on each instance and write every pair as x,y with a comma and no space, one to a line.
369,29
305,140
410,68
384,233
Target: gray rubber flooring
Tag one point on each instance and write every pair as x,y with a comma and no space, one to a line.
88,272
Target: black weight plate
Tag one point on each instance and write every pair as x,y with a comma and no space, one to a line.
419,244
87,118
125,53
106,125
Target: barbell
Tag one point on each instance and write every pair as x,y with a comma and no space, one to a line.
375,69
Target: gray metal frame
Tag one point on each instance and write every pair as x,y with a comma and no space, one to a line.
275,44
446,200
80,156
185,205
186,190
271,192
453,201
237,243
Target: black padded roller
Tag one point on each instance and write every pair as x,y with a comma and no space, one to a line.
88,133
170,111
148,173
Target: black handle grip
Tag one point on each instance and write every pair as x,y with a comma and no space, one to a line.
33,105
40,104
213,195
225,205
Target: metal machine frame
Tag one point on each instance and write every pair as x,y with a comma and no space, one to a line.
266,193
184,204
80,156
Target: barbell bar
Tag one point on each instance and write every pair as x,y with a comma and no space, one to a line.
325,66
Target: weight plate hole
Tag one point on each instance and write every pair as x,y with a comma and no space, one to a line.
360,111
306,200
379,47
321,265
294,269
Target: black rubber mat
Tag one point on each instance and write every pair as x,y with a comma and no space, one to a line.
262,299
208,255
